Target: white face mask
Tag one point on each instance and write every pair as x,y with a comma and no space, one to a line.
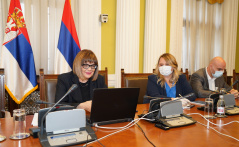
165,70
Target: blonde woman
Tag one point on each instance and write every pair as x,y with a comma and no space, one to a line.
167,81
85,75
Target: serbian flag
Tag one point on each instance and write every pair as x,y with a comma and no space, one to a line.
17,56
68,43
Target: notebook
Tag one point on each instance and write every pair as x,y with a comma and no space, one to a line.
113,105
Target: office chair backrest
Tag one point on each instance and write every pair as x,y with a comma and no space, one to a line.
235,77
139,80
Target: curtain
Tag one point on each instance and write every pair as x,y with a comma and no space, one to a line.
43,19
176,30
155,32
127,38
207,32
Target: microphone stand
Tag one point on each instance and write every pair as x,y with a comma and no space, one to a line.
42,102
41,136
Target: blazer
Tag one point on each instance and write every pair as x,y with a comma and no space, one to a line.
66,80
154,89
199,83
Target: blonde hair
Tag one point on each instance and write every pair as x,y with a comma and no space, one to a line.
171,61
82,57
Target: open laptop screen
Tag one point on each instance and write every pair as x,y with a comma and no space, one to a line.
112,104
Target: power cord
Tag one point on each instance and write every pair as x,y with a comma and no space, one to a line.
145,135
215,125
96,140
137,120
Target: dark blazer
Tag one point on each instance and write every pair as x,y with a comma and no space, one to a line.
199,83
154,89
66,80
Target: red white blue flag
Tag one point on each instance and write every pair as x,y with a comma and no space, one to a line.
68,43
17,56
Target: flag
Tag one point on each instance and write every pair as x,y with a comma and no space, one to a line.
17,56
68,43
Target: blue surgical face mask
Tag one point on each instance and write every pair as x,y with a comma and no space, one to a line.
217,74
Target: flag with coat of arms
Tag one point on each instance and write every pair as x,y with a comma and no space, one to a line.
17,56
68,43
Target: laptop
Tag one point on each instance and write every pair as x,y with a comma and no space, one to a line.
113,105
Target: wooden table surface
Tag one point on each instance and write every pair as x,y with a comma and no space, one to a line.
195,135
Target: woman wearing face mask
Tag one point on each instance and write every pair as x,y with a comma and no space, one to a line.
85,75
167,81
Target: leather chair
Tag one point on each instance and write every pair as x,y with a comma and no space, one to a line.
3,112
139,80
235,77
104,73
186,73
48,85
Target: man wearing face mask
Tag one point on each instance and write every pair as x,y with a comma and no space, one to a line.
207,80
167,81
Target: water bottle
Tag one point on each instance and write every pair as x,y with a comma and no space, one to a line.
221,107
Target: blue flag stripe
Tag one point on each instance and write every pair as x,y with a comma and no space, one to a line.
21,50
67,45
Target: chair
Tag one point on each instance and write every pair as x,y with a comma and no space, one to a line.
104,73
235,77
3,113
135,80
48,85
185,73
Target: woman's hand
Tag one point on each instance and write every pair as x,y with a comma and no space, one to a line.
86,106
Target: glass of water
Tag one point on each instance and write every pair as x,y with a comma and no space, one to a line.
19,122
1,136
208,109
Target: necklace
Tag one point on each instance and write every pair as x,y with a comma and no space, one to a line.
84,84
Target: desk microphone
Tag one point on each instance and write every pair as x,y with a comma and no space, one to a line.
43,102
227,90
151,97
73,87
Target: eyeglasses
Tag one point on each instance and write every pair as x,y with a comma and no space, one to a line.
86,66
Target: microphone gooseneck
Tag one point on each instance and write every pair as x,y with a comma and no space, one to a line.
232,85
73,87
150,97
43,102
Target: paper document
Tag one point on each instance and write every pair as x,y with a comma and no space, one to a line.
35,120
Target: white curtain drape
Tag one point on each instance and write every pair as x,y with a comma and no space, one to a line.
43,19
230,20
176,30
155,32
127,38
207,33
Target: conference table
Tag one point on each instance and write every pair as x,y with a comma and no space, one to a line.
195,135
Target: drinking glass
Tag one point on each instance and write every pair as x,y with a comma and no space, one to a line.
208,109
19,122
1,136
